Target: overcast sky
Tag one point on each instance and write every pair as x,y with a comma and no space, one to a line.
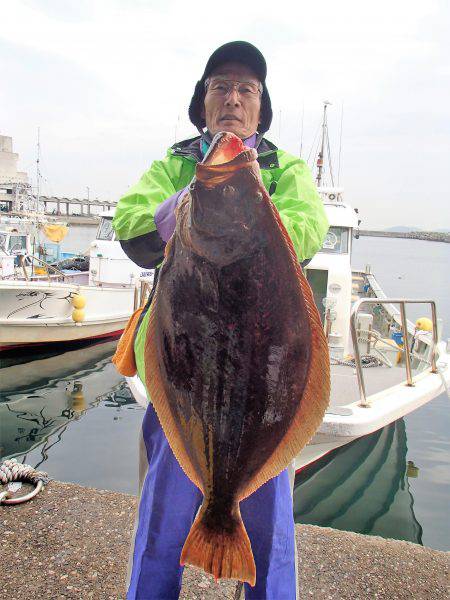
109,83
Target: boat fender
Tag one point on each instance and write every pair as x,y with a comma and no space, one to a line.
78,315
424,324
411,470
78,301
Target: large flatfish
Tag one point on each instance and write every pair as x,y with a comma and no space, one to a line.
236,360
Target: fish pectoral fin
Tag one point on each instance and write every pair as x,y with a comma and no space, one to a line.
225,554
155,388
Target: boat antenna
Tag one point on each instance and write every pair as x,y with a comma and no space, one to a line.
340,143
301,129
330,163
322,144
177,123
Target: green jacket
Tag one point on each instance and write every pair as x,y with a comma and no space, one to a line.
286,178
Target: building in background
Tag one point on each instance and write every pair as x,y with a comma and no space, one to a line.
15,190
17,197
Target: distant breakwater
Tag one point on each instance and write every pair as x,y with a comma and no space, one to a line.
430,236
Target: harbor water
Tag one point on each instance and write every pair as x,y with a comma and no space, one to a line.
68,412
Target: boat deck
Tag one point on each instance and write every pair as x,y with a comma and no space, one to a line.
344,383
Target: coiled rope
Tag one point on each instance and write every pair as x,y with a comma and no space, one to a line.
11,470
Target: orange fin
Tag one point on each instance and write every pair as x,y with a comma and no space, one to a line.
124,356
155,388
316,394
224,554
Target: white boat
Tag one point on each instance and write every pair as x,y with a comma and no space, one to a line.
363,327
46,311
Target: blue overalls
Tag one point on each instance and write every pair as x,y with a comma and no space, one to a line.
168,504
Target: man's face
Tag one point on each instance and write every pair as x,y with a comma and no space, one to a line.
235,112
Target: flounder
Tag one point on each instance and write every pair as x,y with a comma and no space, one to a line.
237,362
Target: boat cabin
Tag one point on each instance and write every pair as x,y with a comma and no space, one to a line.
108,263
15,243
330,273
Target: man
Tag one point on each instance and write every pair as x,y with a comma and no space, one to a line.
231,96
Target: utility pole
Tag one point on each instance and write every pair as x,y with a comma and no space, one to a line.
88,203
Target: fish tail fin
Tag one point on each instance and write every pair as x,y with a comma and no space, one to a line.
221,548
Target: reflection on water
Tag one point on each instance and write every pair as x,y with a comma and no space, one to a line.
361,487
47,410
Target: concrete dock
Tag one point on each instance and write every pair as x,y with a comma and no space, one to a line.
73,542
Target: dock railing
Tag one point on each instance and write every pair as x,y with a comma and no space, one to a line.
404,325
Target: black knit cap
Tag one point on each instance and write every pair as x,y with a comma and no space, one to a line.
241,52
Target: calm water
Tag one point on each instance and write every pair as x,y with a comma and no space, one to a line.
69,412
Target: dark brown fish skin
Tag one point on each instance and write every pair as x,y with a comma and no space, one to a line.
233,335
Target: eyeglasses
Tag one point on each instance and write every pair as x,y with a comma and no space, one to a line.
223,87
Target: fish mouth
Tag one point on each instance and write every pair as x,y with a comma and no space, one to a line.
224,149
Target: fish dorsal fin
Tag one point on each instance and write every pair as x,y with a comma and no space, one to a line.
316,393
161,404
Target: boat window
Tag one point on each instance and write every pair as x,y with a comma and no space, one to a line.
105,229
318,280
336,241
17,243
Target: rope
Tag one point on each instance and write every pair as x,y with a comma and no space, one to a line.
366,361
11,470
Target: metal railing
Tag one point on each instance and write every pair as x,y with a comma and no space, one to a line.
404,325
46,266
141,292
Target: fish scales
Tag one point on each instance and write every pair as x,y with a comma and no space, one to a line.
238,360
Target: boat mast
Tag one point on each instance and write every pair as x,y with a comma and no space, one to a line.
38,172
322,145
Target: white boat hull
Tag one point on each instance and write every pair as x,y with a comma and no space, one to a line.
33,313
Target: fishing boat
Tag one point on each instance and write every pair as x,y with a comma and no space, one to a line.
27,234
58,308
383,366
